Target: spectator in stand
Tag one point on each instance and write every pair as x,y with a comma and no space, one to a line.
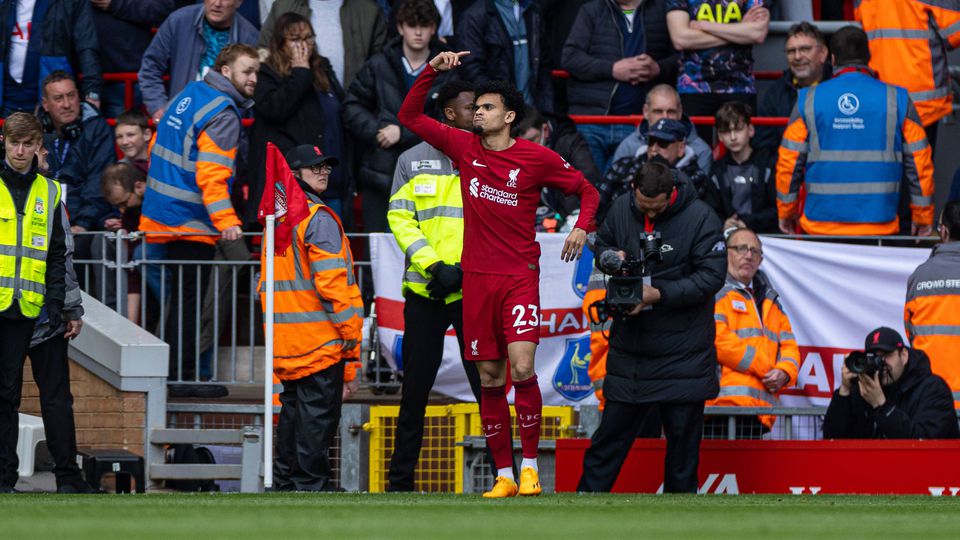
908,48
348,32
298,101
186,46
81,146
756,348
668,146
374,98
716,39
663,101
743,185
505,40
850,140
611,72
932,312
901,400
806,51
564,139
132,135
44,36
124,30
123,185
188,191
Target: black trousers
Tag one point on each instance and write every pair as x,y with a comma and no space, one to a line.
707,105
609,446
15,337
309,416
51,371
425,322
185,299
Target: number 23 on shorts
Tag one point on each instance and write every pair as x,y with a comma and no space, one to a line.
522,320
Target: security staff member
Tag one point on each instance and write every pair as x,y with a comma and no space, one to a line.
599,333
932,312
188,190
850,141
662,353
318,321
756,348
426,217
32,270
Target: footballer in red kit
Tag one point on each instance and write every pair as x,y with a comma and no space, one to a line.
501,181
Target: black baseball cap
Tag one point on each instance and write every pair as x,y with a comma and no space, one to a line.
306,155
668,129
883,339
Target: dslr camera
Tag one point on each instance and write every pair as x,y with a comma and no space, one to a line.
627,276
865,363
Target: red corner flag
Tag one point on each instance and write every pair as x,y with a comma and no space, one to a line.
283,198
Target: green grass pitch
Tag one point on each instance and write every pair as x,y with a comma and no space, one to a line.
589,517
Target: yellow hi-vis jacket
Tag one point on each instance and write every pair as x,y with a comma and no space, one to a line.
426,215
24,242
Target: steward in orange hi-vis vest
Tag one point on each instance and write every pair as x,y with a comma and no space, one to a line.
318,318
909,40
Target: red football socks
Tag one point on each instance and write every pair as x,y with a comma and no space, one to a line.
495,415
529,405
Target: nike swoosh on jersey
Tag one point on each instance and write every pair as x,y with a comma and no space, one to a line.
475,164
524,331
530,426
491,434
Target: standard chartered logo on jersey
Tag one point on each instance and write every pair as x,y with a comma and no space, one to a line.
492,194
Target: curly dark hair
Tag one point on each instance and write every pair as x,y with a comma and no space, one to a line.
418,13
511,97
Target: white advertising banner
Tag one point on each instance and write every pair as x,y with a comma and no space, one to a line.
833,293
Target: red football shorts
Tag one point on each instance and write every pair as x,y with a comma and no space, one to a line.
497,310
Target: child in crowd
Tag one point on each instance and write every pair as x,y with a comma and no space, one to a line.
132,135
742,187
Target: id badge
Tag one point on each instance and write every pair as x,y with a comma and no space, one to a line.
425,188
647,281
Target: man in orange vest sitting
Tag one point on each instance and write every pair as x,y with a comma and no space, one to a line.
756,349
317,330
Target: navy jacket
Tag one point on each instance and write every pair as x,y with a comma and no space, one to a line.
595,43
67,40
125,30
482,32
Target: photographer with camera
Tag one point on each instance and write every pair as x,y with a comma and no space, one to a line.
662,346
888,392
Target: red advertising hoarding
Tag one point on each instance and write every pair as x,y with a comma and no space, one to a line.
787,467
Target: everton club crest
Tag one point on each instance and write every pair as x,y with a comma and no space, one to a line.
570,380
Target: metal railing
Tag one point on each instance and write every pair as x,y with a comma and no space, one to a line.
207,310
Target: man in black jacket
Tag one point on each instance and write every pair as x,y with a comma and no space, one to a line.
370,108
25,197
903,400
505,40
662,353
617,50
56,34
806,52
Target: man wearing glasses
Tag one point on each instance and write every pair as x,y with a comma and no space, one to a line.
756,348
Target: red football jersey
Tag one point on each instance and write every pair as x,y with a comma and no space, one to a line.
501,189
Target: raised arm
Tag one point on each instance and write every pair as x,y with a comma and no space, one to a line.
448,140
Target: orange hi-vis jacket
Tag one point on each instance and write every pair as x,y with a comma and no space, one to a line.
931,315
599,332
909,40
751,342
317,304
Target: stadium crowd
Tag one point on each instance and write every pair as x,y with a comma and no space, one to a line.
333,75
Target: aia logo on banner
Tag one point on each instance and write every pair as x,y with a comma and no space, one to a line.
570,380
398,352
581,273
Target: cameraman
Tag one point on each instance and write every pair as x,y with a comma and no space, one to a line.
898,399
661,351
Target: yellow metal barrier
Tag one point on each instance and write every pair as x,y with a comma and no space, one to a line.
440,468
